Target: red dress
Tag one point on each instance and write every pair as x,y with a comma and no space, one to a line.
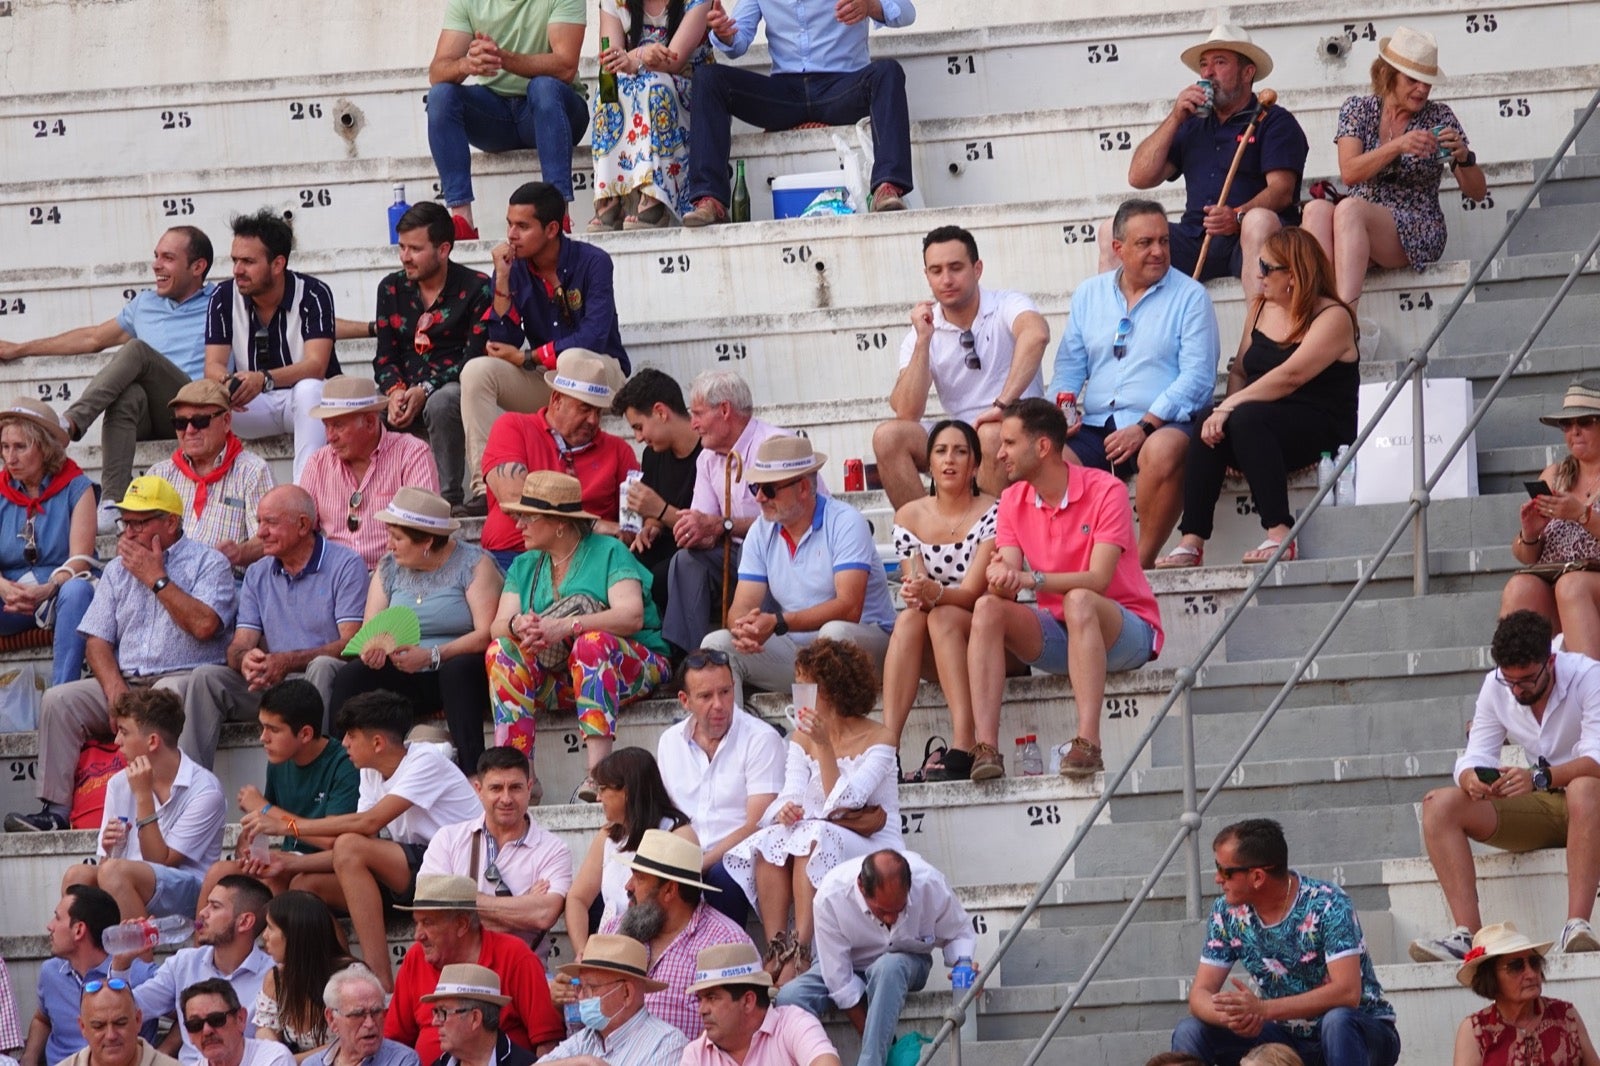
1551,1041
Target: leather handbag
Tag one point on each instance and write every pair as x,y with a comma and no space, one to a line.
863,820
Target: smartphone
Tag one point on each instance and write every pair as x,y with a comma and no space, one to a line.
1487,774
1537,489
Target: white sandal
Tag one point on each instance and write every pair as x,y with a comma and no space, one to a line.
1183,557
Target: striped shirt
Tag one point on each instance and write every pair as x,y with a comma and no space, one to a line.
230,512
675,966
305,314
399,460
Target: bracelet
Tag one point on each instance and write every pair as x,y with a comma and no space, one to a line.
663,514
1529,543
372,329
433,655
502,295
265,807
937,596
142,822
293,827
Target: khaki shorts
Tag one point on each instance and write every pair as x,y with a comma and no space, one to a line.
1531,821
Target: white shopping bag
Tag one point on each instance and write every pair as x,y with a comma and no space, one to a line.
1383,466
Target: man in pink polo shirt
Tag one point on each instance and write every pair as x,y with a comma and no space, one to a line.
743,1028
1066,532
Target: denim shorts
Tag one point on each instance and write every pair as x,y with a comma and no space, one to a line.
1131,650
177,891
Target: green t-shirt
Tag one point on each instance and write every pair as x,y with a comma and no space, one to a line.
519,26
599,563
328,786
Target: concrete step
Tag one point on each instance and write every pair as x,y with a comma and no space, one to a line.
1576,180
1554,228
1503,325
1396,726
1472,522
1441,620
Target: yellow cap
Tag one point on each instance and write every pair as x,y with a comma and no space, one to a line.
151,493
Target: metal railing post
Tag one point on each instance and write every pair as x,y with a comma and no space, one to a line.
1190,818
1420,567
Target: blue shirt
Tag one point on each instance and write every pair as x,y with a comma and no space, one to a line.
293,612
127,615
176,330
839,539
803,37
1203,150
158,996
52,531
60,993
1170,367
581,313
389,1053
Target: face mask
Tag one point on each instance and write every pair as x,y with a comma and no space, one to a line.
591,1015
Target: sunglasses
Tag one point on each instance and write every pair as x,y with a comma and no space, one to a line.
969,345
491,874
1268,269
262,348
216,1019
704,657
769,491
1119,342
1229,872
1521,963
116,984
1586,422
30,543
352,521
180,423
421,342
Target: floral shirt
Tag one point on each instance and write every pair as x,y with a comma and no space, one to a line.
454,330
1292,956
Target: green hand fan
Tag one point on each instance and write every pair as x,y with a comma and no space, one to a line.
399,622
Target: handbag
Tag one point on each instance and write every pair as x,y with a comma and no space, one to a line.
862,820
1549,572
554,655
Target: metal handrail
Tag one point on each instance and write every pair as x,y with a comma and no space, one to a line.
1185,677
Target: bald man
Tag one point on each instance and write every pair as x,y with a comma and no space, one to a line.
110,1022
299,605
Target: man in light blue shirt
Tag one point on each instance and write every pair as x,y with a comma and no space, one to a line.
1140,351
821,72
162,336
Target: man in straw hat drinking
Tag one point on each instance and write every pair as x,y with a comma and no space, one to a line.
618,1028
743,1028
809,569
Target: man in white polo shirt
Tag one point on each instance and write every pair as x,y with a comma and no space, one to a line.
722,767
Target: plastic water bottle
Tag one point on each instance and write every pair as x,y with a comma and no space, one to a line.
141,934
1345,489
1029,759
961,979
121,850
396,210
573,1016
1325,479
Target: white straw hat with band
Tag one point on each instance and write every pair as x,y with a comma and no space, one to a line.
610,953
550,493
782,458
1226,38
347,395
583,375
417,508
728,964
1582,400
40,414
662,854
465,980
1413,53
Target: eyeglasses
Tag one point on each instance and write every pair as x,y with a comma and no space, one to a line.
491,874
969,344
588,991
421,341
1524,962
216,1019
769,491
1119,343
441,1013
30,543
1268,269
352,521
125,525
704,657
181,423
1522,682
116,984
361,1014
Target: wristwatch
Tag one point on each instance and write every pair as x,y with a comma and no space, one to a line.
1541,775
160,583
1038,579
267,384
1470,161
1238,217
1146,425
781,627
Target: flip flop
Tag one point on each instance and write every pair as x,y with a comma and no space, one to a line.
1182,557
1263,551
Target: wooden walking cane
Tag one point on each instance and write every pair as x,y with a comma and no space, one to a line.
1264,100
732,470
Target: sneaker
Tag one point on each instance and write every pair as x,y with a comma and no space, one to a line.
105,519
1450,948
887,197
588,792
465,231
1577,936
46,821
707,211
476,507
987,763
1082,759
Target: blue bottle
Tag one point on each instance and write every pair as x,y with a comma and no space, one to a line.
397,209
962,976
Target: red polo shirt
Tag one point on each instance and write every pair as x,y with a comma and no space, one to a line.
527,439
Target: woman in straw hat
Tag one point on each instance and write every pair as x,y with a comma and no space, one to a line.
1561,529
1393,148
47,528
452,587
576,626
1521,1026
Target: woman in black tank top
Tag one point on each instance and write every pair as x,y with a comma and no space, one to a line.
1291,396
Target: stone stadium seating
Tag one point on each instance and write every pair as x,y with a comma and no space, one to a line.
1023,127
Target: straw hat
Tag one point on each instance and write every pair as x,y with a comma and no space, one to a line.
583,375
728,964
203,393
547,492
664,854
782,458
346,395
151,493
465,980
1491,942
1230,39
419,509
1413,53
1582,400
40,414
443,892
615,954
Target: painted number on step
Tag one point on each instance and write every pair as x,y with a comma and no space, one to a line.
581,179
980,923
300,110
1515,107
397,954
977,150
50,393
16,306
128,294
315,198
573,742
1244,505
1360,31
1204,603
1469,204
180,205
23,769
43,127
38,216
1482,23
176,120
911,822
1103,53
1122,707
866,342
1047,814
956,66
673,264
1419,302
727,351
1116,141
1079,233
796,253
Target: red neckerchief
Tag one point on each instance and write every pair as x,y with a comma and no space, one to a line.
230,452
34,505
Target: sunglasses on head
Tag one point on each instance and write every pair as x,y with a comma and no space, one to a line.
701,658
1268,269
769,490
180,423
116,984
969,345
216,1019
1119,342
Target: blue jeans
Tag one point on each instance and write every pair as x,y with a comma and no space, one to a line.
72,603
783,101
731,900
550,117
888,980
1346,1037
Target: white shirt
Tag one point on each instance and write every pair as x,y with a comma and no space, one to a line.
159,995
1570,727
713,790
965,393
191,820
440,794
850,938
266,1053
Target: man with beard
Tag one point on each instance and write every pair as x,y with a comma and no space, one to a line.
214,1019
1199,148
666,913
110,1021
1548,703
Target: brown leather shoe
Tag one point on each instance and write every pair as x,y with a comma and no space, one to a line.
707,211
987,763
1082,759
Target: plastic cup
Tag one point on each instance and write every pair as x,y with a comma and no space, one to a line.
805,698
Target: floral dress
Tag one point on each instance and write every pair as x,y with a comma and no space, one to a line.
1551,1041
1408,187
643,141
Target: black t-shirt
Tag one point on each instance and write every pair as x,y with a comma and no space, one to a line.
673,478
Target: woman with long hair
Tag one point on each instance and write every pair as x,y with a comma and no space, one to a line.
304,942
